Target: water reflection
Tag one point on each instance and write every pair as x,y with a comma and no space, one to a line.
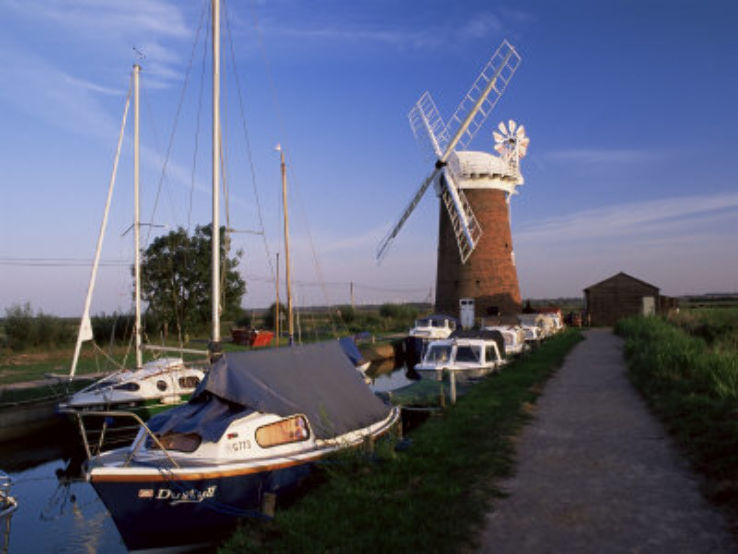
59,516
386,376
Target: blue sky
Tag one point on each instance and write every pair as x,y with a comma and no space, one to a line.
630,107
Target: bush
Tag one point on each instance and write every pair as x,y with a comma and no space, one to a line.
270,315
694,389
24,330
347,314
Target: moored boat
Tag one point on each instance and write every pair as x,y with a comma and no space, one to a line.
157,386
466,357
514,336
256,426
425,330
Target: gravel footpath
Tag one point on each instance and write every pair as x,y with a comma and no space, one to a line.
597,473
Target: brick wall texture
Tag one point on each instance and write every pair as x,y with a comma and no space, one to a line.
489,275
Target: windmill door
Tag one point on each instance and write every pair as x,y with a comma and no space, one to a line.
466,312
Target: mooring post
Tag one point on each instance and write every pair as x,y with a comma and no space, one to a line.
369,444
452,379
268,504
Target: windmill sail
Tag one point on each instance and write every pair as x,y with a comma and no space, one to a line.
384,245
466,229
428,125
483,95
426,122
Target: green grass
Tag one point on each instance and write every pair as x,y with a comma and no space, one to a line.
431,497
693,387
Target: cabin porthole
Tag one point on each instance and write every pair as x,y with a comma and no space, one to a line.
161,385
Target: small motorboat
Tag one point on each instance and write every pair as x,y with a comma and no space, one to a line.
514,337
253,429
434,327
158,385
467,357
425,330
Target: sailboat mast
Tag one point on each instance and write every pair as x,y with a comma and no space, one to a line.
290,322
137,215
277,310
215,334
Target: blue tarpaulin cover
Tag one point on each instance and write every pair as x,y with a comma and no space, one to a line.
317,380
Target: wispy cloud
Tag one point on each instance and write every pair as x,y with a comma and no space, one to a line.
598,156
114,27
668,215
476,26
107,17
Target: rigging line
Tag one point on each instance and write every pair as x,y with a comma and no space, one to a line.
282,127
237,81
176,119
316,262
197,129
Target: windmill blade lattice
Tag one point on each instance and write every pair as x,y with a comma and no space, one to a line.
428,125
484,94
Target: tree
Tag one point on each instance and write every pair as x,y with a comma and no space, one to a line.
270,317
176,279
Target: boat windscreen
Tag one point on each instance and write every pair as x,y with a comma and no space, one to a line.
438,354
467,354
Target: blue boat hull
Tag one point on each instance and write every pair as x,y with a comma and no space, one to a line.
170,512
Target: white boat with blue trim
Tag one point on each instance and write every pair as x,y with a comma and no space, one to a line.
255,427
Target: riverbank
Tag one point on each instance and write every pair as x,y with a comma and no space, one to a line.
430,494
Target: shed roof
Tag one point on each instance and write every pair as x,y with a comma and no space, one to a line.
621,274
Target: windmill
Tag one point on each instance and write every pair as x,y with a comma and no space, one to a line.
475,257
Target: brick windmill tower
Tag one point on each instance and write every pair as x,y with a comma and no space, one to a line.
475,254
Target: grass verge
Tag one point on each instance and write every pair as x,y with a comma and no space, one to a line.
694,390
431,497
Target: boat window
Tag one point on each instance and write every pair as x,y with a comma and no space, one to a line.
128,386
508,339
292,429
467,354
438,354
189,382
161,385
182,442
490,353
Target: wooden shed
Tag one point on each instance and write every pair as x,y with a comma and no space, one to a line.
620,296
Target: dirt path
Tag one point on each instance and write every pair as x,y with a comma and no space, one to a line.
597,473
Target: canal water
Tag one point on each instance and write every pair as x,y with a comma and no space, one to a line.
60,513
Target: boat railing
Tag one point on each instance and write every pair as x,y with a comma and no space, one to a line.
8,504
107,414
